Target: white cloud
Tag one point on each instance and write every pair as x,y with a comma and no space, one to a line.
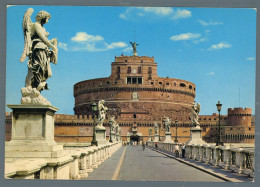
210,73
63,46
83,36
114,45
201,40
211,22
250,59
163,11
157,11
185,36
128,49
220,45
181,13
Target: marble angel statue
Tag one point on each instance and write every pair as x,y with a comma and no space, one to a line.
167,124
39,50
102,109
195,110
155,128
112,123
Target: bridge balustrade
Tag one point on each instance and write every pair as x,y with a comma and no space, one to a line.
76,164
239,160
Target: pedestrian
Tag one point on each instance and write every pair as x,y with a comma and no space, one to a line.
183,150
143,144
156,146
177,150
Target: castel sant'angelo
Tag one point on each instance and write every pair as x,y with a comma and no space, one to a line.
137,97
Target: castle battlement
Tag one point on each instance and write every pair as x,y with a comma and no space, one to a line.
239,112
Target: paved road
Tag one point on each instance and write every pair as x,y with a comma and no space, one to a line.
147,165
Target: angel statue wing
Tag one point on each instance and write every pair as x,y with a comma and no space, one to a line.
27,26
198,108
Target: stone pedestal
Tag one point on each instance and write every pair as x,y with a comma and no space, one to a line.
156,138
195,136
101,135
168,137
33,132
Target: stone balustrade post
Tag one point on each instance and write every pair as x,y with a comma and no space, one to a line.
74,167
89,161
227,158
82,166
208,154
240,160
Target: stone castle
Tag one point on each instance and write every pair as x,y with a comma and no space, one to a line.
137,97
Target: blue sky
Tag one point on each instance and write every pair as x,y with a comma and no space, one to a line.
211,47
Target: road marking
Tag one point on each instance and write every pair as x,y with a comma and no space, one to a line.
118,167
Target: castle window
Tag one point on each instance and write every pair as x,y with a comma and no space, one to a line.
150,77
249,128
128,81
174,84
129,70
139,80
134,80
167,83
135,116
118,70
190,87
139,70
160,82
231,128
115,82
108,82
151,82
182,85
150,70
125,60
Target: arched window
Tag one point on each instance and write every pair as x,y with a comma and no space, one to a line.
182,85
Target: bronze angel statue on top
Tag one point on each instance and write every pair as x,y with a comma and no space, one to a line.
37,49
195,110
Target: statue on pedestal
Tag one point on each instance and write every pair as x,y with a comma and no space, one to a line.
150,131
195,109
40,52
167,124
102,109
134,48
155,128
112,123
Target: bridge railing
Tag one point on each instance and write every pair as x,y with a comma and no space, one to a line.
234,158
76,163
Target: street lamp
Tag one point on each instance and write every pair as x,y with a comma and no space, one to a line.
94,109
176,140
219,140
110,140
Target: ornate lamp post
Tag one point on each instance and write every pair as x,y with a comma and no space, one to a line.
176,140
110,140
219,140
94,109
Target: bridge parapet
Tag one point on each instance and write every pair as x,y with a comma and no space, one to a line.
79,160
238,158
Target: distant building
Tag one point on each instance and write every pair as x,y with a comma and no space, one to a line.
138,97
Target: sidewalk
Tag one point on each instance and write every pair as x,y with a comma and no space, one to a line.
226,175
107,169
